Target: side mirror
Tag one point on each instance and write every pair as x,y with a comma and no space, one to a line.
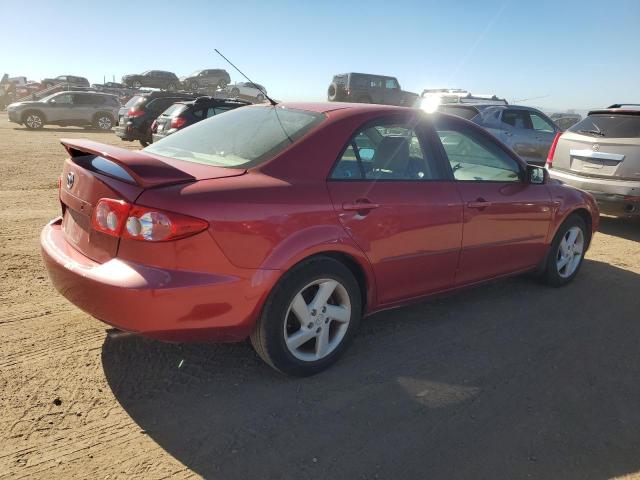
366,154
537,175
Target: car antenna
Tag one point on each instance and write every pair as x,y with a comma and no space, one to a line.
271,100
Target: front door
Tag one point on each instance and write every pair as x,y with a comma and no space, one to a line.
390,192
506,218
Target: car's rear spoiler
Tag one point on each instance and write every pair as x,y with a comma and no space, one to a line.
146,170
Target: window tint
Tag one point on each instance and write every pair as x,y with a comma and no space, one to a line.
390,83
516,118
386,152
211,111
243,137
609,126
87,99
473,157
540,124
464,112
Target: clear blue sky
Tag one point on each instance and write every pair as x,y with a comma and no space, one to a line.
579,54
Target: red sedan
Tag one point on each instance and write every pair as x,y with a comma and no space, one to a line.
287,224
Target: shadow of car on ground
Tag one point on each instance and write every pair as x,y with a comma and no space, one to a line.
623,227
508,380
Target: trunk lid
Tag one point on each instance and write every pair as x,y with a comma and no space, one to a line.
96,171
598,157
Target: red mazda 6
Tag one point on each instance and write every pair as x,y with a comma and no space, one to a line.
288,223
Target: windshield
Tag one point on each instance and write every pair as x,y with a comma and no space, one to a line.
243,137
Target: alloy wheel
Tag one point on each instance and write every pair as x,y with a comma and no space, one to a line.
317,320
569,254
33,121
104,123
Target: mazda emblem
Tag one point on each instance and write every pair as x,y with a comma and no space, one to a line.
70,179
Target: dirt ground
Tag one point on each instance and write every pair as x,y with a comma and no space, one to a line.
509,380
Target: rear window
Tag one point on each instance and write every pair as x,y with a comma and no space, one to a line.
174,110
133,101
610,126
464,112
243,137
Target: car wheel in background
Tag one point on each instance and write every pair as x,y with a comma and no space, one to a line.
222,84
137,84
333,93
260,97
171,87
194,85
309,318
103,121
235,92
33,120
566,252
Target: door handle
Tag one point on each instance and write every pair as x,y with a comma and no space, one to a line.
480,203
360,205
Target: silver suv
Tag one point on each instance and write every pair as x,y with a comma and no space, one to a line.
528,131
601,154
67,108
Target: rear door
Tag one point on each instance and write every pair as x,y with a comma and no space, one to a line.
602,145
391,195
506,219
86,106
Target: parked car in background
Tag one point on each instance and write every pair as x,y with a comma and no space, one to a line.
152,79
601,155
137,115
66,80
368,88
565,120
102,86
210,78
259,223
67,108
527,130
247,90
185,113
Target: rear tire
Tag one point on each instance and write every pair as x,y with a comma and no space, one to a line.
222,84
260,97
103,122
566,253
295,333
235,92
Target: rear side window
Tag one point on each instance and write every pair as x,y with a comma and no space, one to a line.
516,118
541,124
174,110
610,126
386,151
464,112
243,137
134,101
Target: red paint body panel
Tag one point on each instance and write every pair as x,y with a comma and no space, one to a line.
423,237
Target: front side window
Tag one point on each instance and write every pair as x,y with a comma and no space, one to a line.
64,99
390,83
541,124
474,157
388,151
244,137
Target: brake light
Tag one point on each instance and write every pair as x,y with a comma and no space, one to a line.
134,112
552,150
121,219
154,126
178,122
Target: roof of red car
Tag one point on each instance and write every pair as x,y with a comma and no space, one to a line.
325,107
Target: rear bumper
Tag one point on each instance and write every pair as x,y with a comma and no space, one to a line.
172,305
615,197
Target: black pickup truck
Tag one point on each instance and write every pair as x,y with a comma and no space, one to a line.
369,88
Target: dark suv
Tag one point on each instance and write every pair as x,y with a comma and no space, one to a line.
137,115
369,88
152,79
182,114
211,78
66,80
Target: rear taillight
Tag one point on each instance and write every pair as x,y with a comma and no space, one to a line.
552,150
178,122
154,126
134,112
121,219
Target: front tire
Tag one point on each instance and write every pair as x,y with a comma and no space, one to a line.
566,253
33,120
235,92
309,318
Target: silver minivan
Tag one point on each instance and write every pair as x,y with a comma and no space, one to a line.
601,154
